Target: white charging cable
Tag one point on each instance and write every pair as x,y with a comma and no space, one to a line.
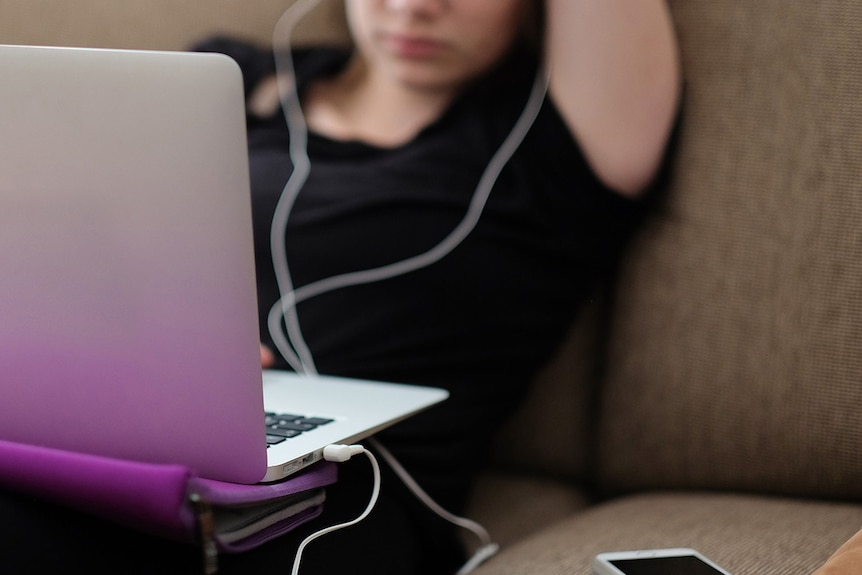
487,547
339,454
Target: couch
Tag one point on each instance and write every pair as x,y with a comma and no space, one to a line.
710,396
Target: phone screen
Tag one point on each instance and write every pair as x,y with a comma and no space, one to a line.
682,565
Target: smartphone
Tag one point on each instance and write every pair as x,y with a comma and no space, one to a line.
677,561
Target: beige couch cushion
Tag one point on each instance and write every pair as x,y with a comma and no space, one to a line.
736,359
745,535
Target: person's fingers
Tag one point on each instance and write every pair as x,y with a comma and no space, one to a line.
267,359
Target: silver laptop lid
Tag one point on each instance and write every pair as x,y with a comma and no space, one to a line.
128,322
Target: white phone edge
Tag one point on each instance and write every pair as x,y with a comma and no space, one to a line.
602,566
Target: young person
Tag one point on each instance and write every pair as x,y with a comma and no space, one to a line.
401,130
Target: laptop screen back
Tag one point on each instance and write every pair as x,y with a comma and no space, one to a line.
127,296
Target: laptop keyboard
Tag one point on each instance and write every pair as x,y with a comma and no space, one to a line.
282,426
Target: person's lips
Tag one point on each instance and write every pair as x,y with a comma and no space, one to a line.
408,46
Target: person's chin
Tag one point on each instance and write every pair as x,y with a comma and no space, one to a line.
426,78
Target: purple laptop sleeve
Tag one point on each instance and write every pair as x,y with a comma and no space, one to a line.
167,500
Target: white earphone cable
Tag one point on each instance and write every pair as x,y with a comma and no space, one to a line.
292,344
289,341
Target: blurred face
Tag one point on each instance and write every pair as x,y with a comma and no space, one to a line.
434,44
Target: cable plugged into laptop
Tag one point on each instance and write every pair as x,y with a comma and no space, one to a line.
339,454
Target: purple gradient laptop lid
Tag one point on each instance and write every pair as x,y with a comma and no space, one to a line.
127,283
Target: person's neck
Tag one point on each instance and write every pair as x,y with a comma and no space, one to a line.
359,104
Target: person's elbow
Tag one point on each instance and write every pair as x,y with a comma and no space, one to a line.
626,148
632,161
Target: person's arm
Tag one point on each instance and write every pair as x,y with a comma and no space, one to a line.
615,78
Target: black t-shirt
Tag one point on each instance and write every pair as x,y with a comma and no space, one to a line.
483,319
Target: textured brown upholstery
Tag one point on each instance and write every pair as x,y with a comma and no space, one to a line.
746,535
714,398
737,338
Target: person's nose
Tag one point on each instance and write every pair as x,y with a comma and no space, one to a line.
425,7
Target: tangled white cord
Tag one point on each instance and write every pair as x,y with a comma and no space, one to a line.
487,547
342,453
290,341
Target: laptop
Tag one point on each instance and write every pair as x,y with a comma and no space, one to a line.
128,313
